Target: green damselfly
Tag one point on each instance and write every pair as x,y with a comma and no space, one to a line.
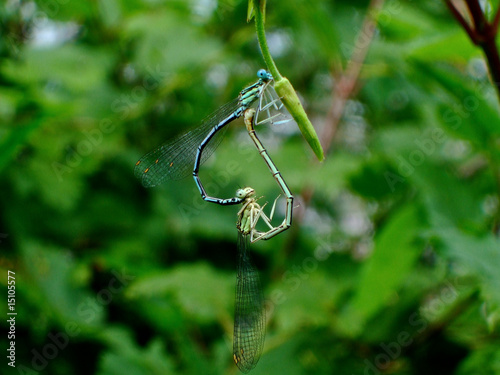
174,159
249,311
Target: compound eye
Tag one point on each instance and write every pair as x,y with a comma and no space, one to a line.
240,193
263,74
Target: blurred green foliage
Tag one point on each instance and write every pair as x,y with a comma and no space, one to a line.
394,264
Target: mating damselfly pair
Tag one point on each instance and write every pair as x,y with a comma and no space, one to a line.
177,158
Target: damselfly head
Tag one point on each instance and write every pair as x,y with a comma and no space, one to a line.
245,193
264,75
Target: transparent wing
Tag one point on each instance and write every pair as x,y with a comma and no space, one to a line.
249,316
270,109
174,159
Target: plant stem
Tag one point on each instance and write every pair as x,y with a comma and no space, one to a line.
487,35
261,36
284,88
482,34
496,21
476,12
461,20
491,51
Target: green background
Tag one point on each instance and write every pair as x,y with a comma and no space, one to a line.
392,264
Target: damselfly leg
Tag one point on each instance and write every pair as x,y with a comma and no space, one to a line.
249,118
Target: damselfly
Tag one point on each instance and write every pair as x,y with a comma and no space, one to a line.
249,316
249,311
174,160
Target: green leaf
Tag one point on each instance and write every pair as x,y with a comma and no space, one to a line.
485,358
125,356
383,273
304,297
480,255
55,288
17,137
205,296
449,200
453,46
162,40
472,114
